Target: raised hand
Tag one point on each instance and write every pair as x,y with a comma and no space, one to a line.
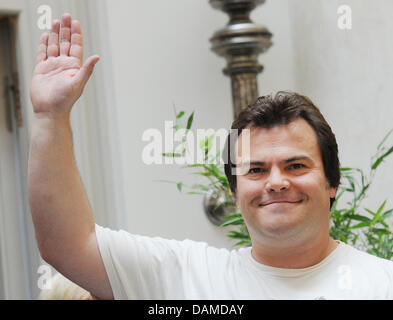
59,76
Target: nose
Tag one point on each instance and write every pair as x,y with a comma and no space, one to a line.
276,181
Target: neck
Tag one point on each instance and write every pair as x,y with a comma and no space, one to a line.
296,255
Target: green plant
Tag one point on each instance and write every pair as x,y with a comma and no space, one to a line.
361,227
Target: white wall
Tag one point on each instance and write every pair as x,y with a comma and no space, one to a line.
349,74
279,60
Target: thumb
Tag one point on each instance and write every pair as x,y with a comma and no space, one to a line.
86,70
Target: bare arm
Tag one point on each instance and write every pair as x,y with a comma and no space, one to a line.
63,219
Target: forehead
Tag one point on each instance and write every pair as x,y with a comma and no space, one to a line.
294,139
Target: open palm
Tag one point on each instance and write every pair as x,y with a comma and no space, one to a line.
59,77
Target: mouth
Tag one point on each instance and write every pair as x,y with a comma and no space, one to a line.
279,202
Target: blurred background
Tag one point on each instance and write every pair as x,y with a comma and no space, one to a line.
156,55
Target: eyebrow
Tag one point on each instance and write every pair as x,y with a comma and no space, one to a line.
261,163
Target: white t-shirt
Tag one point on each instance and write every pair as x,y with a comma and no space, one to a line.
141,267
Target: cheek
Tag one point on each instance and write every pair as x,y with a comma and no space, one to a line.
310,185
304,182
248,189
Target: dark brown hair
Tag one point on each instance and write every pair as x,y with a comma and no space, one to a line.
270,111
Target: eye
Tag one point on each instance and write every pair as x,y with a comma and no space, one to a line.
297,166
255,170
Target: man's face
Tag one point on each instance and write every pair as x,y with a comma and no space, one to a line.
284,192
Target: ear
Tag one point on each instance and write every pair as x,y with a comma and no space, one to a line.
332,192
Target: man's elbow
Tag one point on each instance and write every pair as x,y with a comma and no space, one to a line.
47,254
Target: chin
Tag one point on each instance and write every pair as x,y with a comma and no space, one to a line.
280,232
280,225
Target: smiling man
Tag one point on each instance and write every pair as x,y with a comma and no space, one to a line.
284,187
284,194
285,181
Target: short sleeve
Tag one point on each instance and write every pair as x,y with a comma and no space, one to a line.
141,267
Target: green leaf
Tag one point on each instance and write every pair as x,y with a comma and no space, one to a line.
244,242
336,213
343,238
355,239
373,251
380,231
372,239
351,181
195,165
235,221
171,154
369,211
238,235
194,192
346,169
380,159
189,121
202,144
384,139
378,214
200,186
386,214
359,218
180,114
218,173
179,186
210,141
213,171
362,192
233,216
360,225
